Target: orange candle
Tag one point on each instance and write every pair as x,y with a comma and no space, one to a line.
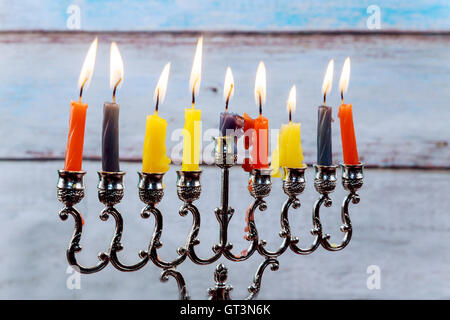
346,120
260,151
258,137
75,140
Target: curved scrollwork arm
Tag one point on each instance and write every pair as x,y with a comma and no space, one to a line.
316,231
116,245
156,243
252,233
183,294
193,241
346,227
74,245
285,232
256,286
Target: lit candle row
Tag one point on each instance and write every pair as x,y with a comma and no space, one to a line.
289,152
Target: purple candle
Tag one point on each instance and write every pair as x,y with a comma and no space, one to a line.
324,151
110,132
231,124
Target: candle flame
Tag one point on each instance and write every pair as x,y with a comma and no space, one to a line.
161,87
228,87
88,66
115,66
292,100
260,84
328,79
345,76
196,72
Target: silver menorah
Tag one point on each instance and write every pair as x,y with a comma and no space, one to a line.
151,191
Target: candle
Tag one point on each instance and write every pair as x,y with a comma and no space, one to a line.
77,119
230,123
154,159
257,130
324,156
346,119
289,152
192,117
110,132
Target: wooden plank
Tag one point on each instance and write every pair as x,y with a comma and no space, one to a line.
398,87
401,225
223,15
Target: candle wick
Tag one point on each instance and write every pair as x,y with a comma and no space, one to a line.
228,98
81,89
260,104
290,115
342,97
157,101
115,89
325,98
193,92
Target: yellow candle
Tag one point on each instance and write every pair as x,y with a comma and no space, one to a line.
191,139
289,152
192,117
154,159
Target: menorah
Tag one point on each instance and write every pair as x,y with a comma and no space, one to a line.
151,191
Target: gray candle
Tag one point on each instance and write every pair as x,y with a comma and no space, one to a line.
324,156
110,137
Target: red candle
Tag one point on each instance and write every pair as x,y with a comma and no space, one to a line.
249,124
348,134
77,120
258,137
345,115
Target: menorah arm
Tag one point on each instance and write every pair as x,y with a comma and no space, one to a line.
256,286
156,243
116,245
183,294
316,231
346,227
285,232
252,233
74,245
192,240
352,181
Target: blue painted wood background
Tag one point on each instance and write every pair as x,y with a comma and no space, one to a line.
225,15
399,88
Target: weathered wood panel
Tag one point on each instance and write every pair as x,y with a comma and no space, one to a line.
127,15
398,87
400,225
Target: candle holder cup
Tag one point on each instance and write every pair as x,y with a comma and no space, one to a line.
110,187
189,187
151,188
225,151
151,191
70,187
